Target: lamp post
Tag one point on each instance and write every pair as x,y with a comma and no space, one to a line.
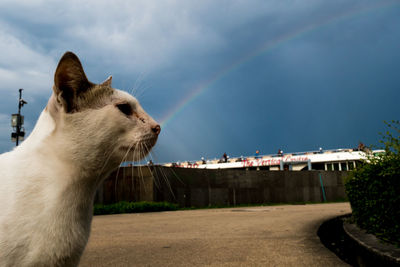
17,121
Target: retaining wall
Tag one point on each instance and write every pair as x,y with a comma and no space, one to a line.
202,187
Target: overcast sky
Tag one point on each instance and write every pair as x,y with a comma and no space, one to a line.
221,76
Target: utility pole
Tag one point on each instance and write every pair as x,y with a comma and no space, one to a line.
17,121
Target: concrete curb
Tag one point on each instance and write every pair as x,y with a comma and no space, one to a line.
370,250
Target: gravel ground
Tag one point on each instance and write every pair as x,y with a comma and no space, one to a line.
254,236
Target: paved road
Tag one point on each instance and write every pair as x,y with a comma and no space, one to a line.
254,236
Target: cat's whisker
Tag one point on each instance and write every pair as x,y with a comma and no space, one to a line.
119,167
135,155
143,155
138,80
154,174
138,156
111,152
145,158
168,183
149,155
138,85
132,174
149,166
177,177
165,176
141,92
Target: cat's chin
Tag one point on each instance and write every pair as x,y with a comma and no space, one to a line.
137,151
131,155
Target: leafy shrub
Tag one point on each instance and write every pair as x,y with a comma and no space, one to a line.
133,207
373,189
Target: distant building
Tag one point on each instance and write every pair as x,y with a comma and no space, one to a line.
328,160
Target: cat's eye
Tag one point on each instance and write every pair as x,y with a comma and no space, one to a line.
125,108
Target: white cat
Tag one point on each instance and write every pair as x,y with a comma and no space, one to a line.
48,183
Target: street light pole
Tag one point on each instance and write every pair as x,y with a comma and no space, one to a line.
17,120
19,116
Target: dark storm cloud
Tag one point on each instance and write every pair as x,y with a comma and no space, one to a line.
329,86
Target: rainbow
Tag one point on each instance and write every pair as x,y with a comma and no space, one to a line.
266,47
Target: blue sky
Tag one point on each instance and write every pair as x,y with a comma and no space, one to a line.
222,76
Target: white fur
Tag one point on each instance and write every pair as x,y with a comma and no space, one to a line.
48,183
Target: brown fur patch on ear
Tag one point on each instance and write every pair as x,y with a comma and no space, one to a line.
107,82
70,81
98,96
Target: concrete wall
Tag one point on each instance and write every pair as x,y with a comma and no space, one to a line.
202,187
199,188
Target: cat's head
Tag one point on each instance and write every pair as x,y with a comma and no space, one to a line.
96,119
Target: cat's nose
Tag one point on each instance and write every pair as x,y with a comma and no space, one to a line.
156,129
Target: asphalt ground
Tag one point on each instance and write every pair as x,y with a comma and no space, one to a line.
283,235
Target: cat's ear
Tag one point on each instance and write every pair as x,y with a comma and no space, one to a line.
70,81
107,82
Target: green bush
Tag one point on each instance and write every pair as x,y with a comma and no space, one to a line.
133,207
373,189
